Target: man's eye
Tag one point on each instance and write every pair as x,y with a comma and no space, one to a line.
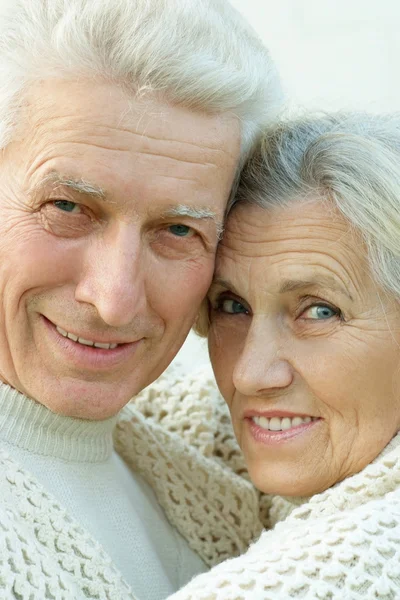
67,206
181,230
320,312
231,307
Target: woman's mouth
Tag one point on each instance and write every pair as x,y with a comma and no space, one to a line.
275,429
281,423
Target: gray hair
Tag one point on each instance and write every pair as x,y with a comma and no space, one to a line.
200,54
350,159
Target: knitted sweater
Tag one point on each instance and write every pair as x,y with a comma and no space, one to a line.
341,544
75,477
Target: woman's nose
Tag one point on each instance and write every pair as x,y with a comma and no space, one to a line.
262,365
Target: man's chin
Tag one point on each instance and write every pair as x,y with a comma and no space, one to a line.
81,399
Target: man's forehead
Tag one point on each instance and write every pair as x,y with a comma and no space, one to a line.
103,110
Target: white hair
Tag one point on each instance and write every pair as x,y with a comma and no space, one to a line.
200,54
350,159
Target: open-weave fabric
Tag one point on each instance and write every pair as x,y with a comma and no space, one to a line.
180,439
44,553
342,544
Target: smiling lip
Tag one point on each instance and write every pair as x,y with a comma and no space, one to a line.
258,423
90,357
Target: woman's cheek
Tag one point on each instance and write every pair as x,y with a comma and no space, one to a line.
223,354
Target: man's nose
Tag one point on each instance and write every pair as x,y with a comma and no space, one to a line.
262,366
113,280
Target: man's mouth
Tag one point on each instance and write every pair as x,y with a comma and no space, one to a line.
85,342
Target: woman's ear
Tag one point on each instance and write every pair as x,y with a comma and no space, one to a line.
202,322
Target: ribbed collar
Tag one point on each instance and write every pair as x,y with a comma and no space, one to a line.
29,425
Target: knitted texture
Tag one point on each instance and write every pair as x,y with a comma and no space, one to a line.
44,554
180,439
341,544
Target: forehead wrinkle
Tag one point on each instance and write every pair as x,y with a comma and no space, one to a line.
174,158
167,143
168,140
336,247
101,131
96,130
133,117
347,278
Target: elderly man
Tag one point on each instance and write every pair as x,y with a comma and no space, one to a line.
122,126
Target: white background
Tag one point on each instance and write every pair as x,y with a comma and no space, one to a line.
331,54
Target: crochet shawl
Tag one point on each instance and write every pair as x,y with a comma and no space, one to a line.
341,544
344,543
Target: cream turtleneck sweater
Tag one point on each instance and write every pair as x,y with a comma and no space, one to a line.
75,462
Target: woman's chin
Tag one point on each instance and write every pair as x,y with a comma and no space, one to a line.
286,480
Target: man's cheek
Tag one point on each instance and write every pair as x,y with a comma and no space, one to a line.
184,279
196,279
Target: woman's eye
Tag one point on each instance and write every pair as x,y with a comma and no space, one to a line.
67,206
320,312
181,230
231,306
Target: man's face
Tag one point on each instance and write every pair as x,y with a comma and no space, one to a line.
110,209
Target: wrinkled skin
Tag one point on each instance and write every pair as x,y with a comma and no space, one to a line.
298,324
106,262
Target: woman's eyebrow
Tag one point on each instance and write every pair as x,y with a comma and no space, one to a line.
291,285
223,283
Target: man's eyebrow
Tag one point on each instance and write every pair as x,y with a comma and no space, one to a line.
292,285
201,213
81,186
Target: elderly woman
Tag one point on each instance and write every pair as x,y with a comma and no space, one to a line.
304,338
123,124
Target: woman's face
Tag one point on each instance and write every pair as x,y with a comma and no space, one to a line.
305,347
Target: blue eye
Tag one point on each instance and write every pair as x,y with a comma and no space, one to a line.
231,307
320,312
180,230
66,206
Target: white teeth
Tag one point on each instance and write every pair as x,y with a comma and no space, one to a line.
80,340
85,342
281,424
286,423
275,424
